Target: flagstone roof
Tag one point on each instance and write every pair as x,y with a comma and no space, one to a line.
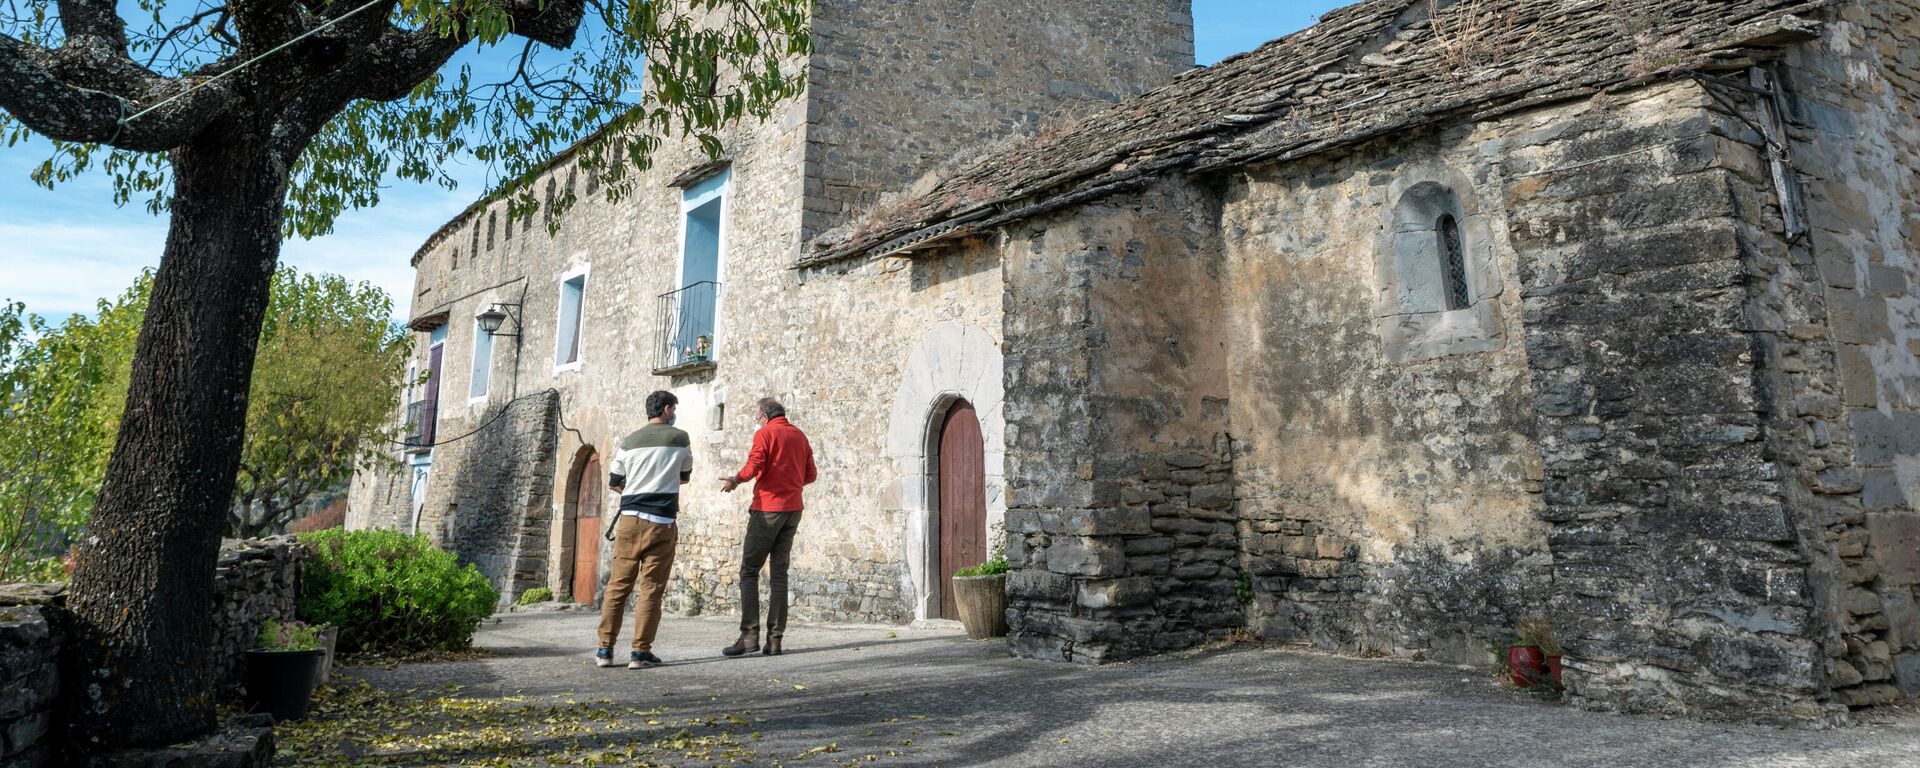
1366,70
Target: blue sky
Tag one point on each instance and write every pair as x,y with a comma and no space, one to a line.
62,250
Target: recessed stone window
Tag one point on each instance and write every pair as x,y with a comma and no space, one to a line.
1436,272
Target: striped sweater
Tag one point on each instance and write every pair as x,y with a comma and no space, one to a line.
648,471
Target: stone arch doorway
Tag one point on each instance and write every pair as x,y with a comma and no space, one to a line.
961,480
954,362
585,505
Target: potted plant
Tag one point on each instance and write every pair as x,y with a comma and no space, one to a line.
283,671
981,594
1534,656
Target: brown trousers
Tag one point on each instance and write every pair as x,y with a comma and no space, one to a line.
643,551
769,534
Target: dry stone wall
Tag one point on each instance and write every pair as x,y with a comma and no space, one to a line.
256,580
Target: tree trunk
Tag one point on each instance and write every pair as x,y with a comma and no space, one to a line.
142,595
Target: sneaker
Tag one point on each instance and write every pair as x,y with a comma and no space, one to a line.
603,657
643,660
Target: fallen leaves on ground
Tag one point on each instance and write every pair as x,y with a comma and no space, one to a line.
358,725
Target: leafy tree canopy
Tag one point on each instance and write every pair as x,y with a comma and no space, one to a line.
510,105
329,371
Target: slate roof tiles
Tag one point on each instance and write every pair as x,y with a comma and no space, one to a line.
1366,70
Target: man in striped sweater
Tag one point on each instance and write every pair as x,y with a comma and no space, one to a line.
647,473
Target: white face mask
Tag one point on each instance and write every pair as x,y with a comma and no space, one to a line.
672,417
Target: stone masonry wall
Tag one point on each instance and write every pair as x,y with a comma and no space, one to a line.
1842,308
846,347
1681,579
29,686
255,581
900,86
1387,486
501,504
1128,546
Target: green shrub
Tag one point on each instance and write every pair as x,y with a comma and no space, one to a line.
535,595
390,592
992,567
289,636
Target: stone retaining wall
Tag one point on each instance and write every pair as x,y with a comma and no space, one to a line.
256,580
29,679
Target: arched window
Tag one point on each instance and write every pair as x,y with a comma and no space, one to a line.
1453,261
1437,287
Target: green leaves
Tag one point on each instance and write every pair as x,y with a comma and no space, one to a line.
328,374
391,592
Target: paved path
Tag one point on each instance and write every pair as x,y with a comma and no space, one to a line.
931,697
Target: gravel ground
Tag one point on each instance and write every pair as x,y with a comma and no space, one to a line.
928,696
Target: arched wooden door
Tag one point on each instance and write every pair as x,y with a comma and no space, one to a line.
586,532
963,498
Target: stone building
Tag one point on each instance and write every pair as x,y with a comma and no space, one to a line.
1386,335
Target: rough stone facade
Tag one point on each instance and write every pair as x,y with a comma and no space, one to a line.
256,580
1375,341
867,357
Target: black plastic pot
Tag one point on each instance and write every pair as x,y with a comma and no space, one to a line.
281,683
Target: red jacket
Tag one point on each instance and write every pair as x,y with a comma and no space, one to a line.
782,461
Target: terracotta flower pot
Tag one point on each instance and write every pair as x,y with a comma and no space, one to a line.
281,682
983,604
1526,665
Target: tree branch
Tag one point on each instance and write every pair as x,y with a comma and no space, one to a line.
94,24
61,106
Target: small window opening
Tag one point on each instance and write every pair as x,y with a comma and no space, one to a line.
475,250
493,221
1454,262
456,258
572,300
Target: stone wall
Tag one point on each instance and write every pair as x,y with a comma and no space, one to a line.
1128,545
1681,577
900,86
1386,469
862,353
255,581
1842,310
29,685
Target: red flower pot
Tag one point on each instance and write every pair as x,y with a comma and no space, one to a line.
1553,666
1526,665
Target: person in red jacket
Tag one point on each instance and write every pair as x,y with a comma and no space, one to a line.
780,464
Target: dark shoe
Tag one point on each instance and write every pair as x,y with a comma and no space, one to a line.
643,660
746,644
603,657
773,647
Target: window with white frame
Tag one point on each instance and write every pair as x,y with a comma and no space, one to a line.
482,362
691,312
573,299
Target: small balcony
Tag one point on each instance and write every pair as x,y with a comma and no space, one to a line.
421,416
687,318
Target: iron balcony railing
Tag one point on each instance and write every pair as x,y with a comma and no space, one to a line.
686,322
421,416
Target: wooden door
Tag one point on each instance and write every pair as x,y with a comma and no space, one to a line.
587,533
963,499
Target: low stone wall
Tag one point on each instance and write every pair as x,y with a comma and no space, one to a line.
29,680
256,580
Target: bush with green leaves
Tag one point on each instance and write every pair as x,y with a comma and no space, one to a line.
389,592
535,595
